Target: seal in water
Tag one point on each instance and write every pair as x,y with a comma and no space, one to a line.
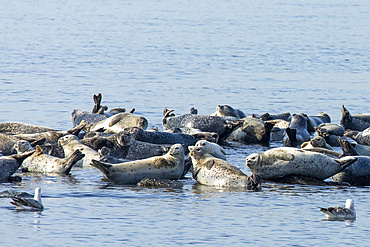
228,111
44,163
168,166
70,143
283,161
212,148
297,132
10,164
253,131
209,170
119,122
352,122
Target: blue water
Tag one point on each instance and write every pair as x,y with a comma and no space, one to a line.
258,56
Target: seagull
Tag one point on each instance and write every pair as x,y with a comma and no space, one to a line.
34,204
339,213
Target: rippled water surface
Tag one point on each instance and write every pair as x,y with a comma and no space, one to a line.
258,56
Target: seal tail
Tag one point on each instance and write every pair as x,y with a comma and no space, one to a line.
292,135
97,101
76,130
255,182
101,166
71,160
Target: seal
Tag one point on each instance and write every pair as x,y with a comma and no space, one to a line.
357,174
316,142
361,137
159,137
9,165
209,170
352,122
219,125
279,129
339,213
297,132
282,116
253,131
199,135
168,166
90,118
330,132
212,148
71,143
44,163
228,111
123,146
14,128
314,121
119,122
283,161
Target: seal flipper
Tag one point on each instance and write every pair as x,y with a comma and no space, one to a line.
103,167
97,100
292,135
71,160
345,162
115,119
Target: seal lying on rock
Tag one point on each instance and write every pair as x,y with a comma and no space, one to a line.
209,170
253,131
90,118
354,122
199,135
316,142
361,137
159,137
282,116
280,162
228,111
14,128
44,163
330,132
71,143
212,148
10,164
219,125
168,166
297,132
314,121
279,129
119,122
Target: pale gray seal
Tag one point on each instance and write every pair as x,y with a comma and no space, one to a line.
219,125
89,118
253,131
339,213
44,163
278,131
212,148
168,166
198,134
71,143
119,122
34,204
353,122
297,132
209,170
283,161
10,164
228,111
361,137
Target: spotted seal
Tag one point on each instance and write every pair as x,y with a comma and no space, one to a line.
9,164
198,134
212,148
253,131
297,132
119,122
228,111
355,122
361,137
14,128
279,129
283,161
168,166
70,143
209,170
44,163
123,146
219,125
88,117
